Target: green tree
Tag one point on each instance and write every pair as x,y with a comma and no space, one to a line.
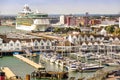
110,29
57,30
117,31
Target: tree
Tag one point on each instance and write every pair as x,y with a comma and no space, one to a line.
117,32
110,29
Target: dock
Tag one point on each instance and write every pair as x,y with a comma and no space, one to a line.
8,73
43,35
32,63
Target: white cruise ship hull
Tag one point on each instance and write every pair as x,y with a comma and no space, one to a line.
26,28
30,28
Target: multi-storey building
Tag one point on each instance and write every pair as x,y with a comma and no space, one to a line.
68,20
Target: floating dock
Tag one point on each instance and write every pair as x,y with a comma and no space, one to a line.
8,73
32,63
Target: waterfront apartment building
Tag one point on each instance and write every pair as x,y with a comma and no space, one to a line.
8,44
78,42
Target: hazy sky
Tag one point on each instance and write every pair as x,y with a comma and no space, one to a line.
62,6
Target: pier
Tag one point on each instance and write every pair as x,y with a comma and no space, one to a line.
8,73
29,61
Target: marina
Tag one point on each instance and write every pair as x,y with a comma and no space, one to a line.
40,46
22,68
20,71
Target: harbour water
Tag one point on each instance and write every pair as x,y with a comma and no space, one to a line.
6,29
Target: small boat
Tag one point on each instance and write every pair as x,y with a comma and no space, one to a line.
93,58
52,60
90,68
57,61
72,67
62,63
112,64
47,57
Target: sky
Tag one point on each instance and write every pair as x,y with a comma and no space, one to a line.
62,6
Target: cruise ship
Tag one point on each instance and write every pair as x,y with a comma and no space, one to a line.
29,20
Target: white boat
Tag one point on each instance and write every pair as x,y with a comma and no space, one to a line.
72,67
48,58
52,60
90,67
112,64
57,61
62,63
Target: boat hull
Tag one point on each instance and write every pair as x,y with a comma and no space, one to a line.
90,69
26,28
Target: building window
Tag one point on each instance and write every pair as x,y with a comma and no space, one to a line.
35,43
85,39
5,45
11,44
17,44
0,41
48,44
17,49
42,44
91,39
47,47
42,47
79,39
36,47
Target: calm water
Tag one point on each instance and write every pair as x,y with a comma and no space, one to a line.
6,29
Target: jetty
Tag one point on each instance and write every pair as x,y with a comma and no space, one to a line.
32,63
8,73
